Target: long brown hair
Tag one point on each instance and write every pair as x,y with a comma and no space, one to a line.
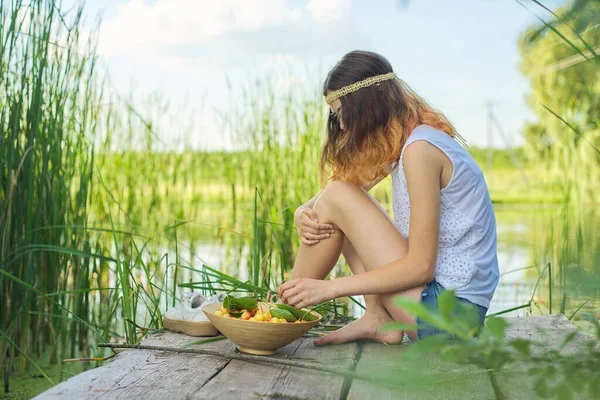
377,119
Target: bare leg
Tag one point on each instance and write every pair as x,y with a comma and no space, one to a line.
356,266
318,260
375,314
366,328
373,240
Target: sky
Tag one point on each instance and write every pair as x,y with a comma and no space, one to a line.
457,54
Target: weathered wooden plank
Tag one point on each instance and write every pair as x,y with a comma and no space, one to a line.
242,380
469,382
156,375
425,378
532,328
551,330
145,374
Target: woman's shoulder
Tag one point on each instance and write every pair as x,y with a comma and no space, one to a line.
425,136
424,131
436,137
423,155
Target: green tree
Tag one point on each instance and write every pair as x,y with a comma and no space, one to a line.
560,58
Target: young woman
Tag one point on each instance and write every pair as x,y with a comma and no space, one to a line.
444,232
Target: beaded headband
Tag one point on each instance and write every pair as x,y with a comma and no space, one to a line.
359,85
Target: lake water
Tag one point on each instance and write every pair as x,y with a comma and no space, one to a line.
521,255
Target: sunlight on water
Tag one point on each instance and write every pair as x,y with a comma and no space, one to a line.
521,231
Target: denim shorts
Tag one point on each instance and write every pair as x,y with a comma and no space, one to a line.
429,298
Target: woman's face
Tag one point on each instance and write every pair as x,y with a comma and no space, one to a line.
336,110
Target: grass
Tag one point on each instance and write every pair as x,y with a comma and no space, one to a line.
46,116
30,383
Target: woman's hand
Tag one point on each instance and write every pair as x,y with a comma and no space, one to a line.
304,292
310,230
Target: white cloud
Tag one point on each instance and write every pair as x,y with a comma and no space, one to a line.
225,32
326,11
138,24
209,51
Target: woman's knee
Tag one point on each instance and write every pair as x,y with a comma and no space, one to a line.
336,195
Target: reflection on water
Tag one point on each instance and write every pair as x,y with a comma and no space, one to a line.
528,239
519,230
514,255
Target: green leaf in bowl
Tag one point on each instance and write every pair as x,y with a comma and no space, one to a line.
235,305
299,314
283,314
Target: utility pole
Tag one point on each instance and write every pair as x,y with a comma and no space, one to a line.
509,148
490,144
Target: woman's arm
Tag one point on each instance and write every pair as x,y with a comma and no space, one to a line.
423,165
310,230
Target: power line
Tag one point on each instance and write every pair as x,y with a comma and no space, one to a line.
490,135
492,122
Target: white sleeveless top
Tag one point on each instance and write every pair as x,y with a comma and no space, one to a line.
467,259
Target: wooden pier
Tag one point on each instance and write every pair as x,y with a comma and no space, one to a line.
155,374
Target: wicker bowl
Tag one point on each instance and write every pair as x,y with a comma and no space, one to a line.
259,338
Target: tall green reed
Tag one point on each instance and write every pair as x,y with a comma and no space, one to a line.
64,284
566,141
48,113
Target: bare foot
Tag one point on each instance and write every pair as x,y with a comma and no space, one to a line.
365,328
